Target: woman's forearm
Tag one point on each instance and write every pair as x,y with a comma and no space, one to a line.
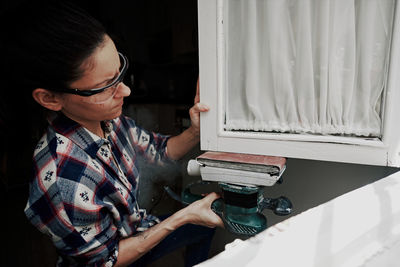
132,248
199,213
180,145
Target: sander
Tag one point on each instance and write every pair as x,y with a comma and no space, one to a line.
241,178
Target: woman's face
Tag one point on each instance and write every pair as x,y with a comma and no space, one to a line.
101,68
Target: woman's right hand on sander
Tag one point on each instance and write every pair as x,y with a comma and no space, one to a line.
200,212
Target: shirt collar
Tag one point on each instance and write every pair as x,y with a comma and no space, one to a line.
78,134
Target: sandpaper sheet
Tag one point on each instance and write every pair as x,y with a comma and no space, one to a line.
238,161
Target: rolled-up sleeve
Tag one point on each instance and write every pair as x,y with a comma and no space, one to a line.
84,237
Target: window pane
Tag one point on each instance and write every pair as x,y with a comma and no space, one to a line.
310,66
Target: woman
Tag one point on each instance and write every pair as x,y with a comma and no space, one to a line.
83,191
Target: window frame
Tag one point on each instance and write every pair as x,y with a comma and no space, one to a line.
383,152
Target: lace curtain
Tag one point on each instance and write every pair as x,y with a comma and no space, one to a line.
306,66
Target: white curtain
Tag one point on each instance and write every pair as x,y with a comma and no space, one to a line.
306,66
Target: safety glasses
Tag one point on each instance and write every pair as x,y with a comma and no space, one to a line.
102,94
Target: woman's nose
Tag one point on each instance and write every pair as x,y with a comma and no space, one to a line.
123,90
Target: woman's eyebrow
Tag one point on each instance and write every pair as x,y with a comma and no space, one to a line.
106,80
109,80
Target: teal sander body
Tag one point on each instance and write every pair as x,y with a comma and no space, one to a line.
241,178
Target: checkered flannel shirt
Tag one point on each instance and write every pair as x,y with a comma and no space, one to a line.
83,191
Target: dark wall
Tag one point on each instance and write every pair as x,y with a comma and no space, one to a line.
160,39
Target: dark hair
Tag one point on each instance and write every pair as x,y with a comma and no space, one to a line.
43,45
48,43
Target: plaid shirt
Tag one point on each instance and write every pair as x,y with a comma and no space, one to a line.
83,193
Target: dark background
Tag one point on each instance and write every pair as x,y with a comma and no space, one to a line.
160,39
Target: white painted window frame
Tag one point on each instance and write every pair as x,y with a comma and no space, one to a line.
383,152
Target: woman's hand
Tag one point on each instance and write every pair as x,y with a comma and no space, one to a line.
200,212
194,112
179,145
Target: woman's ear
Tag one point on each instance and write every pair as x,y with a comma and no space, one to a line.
47,99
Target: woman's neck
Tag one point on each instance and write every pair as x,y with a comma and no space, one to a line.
93,126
